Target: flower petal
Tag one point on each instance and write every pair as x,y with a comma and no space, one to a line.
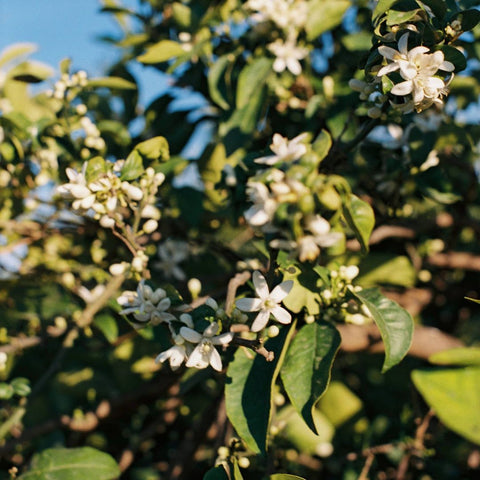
403,43
197,359
215,360
223,339
261,287
281,291
261,321
190,335
403,88
387,52
249,304
211,330
391,67
281,315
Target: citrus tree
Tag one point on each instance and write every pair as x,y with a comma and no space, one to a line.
261,274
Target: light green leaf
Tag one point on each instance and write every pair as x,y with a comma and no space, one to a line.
133,167
306,370
31,72
16,50
248,392
322,144
161,52
360,218
304,293
383,269
107,325
285,476
182,14
72,464
395,17
395,324
475,300
117,83
251,78
155,148
96,167
462,356
215,75
21,386
323,15
339,404
454,394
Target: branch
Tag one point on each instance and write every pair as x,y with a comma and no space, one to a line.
237,281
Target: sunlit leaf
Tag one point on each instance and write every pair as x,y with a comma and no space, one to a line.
117,83
462,356
395,324
161,52
360,218
323,15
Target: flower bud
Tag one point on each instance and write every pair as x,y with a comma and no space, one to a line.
150,226
195,287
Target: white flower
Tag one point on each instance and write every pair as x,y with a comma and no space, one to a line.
288,55
264,205
77,189
146,304
417,68
267,303
205,354
285,150
176,355
171,253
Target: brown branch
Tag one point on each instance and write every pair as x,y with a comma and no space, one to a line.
382,233
238,280
426,340
460,260
20,343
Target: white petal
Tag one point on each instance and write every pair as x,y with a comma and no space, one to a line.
223,339
387,52
249,304
269,160
215,360
190,335
261,287
281,315
447,66
281,291
261,321
79,191
197,359
403,88
211,330
279,65
417,51
391,67
403,43
164,304
294,66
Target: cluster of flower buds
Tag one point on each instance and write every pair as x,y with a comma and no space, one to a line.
106,195
79,79
285,199
93,139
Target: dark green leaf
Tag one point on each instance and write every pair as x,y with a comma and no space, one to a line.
439,8
216,473
215,75
455,56
306,370
108,326
468,18
21,386
117,83
395,324
72,464
251,78
360,218
248,392
454,394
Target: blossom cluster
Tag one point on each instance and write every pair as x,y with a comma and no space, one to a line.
290,16
107,194
285,198
194,341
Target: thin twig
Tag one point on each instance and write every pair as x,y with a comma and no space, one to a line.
238,280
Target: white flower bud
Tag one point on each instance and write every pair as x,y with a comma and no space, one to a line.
194,287
243,462
273,331
150,226
81,109
138,264
106,221
117,268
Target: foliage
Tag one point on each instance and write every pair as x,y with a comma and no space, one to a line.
217,314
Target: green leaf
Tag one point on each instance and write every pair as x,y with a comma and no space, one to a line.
381,7
133,167
395,17
108,326
454,55
251,78
248,392
323,15
16,50
21,386
361,219
455,396
475,300
438,7
96,167
155,148
339,404
322,144
468,18
216,73
462,356
304,293
6,391
31,72
182,14
72,464
117,83
285,476
216,473
395,324
161,52
382,269
306,370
